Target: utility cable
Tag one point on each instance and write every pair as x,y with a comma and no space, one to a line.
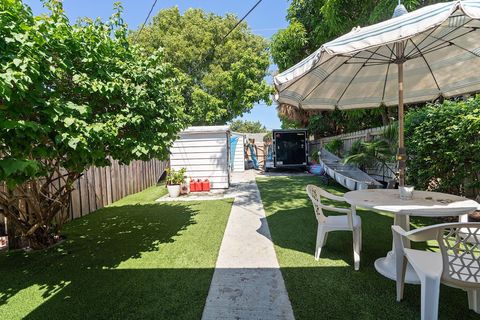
146,19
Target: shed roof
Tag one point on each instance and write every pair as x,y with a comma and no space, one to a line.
206,129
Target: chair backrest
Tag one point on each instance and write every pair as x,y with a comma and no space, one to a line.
460,247
315,193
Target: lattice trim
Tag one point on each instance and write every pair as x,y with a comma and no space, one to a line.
314,194
461,247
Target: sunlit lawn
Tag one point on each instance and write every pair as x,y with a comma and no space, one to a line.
330,288
134,260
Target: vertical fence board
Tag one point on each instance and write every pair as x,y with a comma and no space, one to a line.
98,187
108,184
92,202
124,178
84,196
115,185
76,201
131,188
103,174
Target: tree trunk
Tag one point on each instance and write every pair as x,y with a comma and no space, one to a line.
34,209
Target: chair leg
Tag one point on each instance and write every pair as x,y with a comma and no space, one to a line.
430,295
360,241
321,235
401,269
356,248
474,300
325,239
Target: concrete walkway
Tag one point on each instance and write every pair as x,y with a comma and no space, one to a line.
247,282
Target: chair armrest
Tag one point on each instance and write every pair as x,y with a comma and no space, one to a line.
399,236
417,235
330,196
399,230
335,209
431,232
335,198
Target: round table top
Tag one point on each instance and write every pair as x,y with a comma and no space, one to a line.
424,203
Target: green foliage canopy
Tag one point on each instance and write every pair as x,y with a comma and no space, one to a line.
443,144
72,96
224,77
246,126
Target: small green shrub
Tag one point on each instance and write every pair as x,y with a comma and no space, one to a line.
175,177
335,146
314,155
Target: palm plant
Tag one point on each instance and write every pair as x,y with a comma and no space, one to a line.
382,150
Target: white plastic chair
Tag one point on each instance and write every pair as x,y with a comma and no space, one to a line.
348,222
456,265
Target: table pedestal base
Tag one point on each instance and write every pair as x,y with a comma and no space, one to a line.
386,267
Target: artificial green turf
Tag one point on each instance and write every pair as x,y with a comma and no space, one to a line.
136,259
331,288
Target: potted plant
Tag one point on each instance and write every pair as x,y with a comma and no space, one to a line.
174,181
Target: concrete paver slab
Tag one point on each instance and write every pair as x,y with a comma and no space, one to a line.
247,282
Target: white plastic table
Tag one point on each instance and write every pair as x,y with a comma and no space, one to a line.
424,203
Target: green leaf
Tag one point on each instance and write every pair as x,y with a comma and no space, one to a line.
69,121
73,142
11,166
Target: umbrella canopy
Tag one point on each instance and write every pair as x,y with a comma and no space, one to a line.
417,57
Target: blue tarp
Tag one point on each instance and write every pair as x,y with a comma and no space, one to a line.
233,147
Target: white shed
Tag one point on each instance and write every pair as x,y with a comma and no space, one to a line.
204,152
237,153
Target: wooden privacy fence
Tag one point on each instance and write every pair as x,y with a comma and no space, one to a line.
99,187
349,139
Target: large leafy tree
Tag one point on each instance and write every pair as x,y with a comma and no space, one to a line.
247,126
224,76
314,22
72,96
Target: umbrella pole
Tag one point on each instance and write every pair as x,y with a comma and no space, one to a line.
401,155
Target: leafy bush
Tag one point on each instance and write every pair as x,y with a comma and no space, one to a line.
443,143
335,146
72,96
314,155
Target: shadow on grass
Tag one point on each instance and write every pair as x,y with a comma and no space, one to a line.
97,272
330,288
325,292
129,294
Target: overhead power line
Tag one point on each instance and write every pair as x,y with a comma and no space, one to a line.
241,20
146,19
223,39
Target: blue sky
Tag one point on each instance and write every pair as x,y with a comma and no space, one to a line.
265,20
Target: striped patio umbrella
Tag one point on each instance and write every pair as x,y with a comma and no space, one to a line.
412,58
